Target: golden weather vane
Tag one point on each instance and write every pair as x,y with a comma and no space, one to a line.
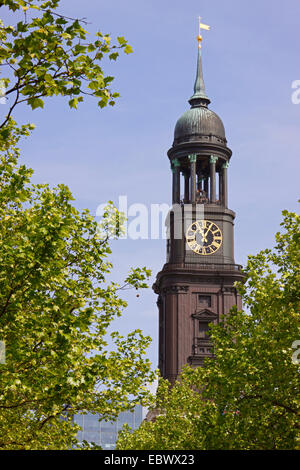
201,26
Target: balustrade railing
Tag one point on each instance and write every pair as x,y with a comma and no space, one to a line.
202,346
204,266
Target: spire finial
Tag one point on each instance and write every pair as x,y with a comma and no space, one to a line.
199,97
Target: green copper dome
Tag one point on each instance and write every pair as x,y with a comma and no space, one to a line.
199,123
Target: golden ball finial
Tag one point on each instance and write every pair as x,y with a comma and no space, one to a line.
199,39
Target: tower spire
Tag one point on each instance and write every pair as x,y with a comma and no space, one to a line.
199,97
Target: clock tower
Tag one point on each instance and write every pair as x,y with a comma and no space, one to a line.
196,284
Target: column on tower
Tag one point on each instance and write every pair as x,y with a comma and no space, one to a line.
213,161
193,159
221,187
176,181
225,184
173,182
186,175
206,186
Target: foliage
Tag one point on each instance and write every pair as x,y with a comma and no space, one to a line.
56,302
55,307
249,394
48,54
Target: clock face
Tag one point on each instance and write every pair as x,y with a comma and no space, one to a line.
204,237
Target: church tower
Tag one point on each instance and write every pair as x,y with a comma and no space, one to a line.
196,285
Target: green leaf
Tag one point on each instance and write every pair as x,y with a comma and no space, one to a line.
114,55
128,49
73,103
35,103
121,40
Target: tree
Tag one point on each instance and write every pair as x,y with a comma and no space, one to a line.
48,55
55,300
247,397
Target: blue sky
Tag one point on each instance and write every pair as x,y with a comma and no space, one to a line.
250,59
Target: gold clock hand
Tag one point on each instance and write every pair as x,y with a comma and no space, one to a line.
208,229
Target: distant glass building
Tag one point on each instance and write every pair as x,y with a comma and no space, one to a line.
105,433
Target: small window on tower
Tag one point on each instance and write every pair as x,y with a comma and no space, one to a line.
204,301
203,330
